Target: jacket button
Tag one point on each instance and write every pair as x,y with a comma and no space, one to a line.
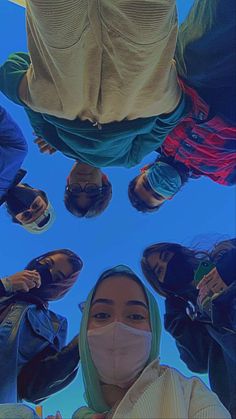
187,145
201,116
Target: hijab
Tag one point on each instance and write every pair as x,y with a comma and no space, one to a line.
93,391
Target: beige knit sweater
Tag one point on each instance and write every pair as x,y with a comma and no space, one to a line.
102,60
164,393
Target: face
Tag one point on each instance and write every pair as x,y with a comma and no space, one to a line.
158,263
82,175
36,209
60,266
111,304
144,191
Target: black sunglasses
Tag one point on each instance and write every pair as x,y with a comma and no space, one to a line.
91,189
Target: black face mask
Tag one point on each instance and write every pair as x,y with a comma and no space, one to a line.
20,199
46,280
179,274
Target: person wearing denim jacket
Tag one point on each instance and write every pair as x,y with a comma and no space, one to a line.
33,337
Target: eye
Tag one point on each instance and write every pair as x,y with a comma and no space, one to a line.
101,316
48,262
26,215
35,206
136,317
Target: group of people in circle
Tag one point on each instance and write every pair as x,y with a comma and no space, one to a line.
106,83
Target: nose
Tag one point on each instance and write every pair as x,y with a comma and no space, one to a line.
118,317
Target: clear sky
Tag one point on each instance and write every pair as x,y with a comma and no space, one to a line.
201,213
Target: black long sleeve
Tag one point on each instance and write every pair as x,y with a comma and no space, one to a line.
48,372
192,339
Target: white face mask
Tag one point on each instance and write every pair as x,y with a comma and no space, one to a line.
119,352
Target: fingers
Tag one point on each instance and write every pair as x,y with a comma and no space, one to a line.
52,150
207,278
33,277
213,282
57,416
43,146
203,293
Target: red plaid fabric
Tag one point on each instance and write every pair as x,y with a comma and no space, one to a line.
205,145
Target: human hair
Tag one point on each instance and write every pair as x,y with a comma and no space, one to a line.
192,256
10,207
141,205
74,260
98,205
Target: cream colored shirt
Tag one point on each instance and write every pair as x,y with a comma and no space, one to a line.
102,60
162,392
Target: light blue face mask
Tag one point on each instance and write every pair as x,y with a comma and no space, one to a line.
163,179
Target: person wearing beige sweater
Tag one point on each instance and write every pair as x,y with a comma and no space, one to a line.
103,61
119,351
99,83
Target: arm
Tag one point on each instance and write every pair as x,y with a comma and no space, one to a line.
205,404
21,281
221,284
146,143
48,372
46,131
192,339
12,73
13,150
12,79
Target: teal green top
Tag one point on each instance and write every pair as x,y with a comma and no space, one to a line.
93,392
123,143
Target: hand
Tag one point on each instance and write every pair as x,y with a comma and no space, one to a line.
25,280
58,416
43,146
211,284
99,416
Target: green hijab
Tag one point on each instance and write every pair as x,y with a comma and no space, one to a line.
93,392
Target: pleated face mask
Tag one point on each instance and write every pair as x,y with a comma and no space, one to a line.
164,179
119,352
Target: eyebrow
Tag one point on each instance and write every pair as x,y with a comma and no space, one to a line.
103,301
136,303
111,302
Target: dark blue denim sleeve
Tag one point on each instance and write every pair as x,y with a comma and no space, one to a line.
13,150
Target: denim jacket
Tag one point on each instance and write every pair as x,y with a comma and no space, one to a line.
25,331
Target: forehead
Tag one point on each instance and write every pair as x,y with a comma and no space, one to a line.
60,259
120,288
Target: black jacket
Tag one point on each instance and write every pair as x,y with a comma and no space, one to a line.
209,345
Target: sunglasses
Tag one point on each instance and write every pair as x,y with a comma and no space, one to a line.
91,189
35,207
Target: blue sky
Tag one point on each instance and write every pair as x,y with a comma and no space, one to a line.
202,212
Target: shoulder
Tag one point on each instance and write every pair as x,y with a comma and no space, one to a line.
201,398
